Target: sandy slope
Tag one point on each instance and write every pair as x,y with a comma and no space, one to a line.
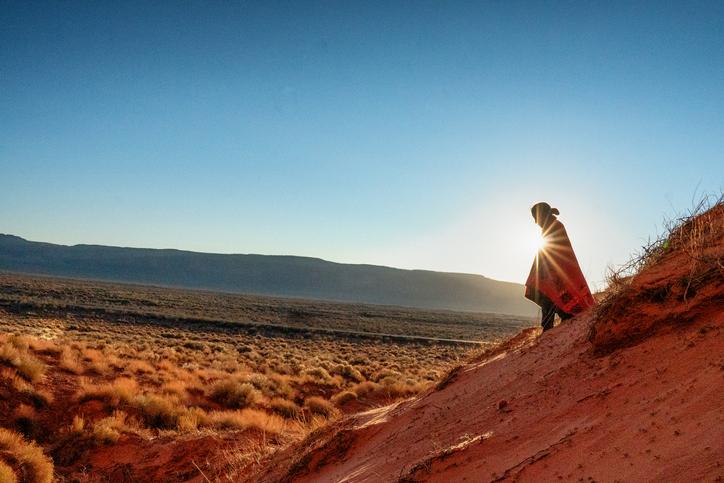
549,407
631,415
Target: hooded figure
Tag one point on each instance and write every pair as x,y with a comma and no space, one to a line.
556,282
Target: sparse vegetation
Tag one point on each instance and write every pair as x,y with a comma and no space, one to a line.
77,381
15,452
690,234
669,281
319,406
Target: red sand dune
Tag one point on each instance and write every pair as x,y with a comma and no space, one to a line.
630,393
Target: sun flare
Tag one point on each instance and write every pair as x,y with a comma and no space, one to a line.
539,242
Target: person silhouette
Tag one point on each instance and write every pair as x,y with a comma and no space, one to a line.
556,282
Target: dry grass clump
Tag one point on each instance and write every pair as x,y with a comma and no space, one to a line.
96,361
105,431
140,367
671,280
175,388
158,411
343,397
691,234
44,346
365,388
108,430
78,425
246,419
15,451
7,475
14,352
319,375
192,419
320,406
120,391
285,408
234,393
37,396
348,372
68,361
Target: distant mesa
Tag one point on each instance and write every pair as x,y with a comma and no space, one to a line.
285,276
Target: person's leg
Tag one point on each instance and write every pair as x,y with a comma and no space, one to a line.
548,313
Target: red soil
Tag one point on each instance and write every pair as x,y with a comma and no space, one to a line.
630,393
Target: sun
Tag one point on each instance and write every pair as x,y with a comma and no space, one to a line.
538,242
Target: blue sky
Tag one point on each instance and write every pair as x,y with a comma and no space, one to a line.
411,134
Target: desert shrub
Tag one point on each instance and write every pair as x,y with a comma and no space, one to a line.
282,386
191,419
285,408
105,434
388,374
38,397
91,355
320,376
320,406
108,430
177,388
317,374
394,389
121,390
244,348
96,360
7,475
114,362
388,381
260,382
140,367
27,365
246,419
33,464
234,394
20,342
44,346
193,345
348,372
364,388
342,398
77,426
158,411
274,385
68,361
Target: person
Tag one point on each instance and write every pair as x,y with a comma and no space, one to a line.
556,282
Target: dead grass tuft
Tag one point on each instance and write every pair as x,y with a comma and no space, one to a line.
108,430
14,353
159,411
122,390
7,475
246,419
690,233
68,361
16,451
343,397
234,394
320,406
285,408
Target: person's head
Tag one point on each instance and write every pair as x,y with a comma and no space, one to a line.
543,213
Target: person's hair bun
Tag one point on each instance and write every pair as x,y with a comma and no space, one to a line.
555,211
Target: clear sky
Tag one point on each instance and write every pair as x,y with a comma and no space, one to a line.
412,134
